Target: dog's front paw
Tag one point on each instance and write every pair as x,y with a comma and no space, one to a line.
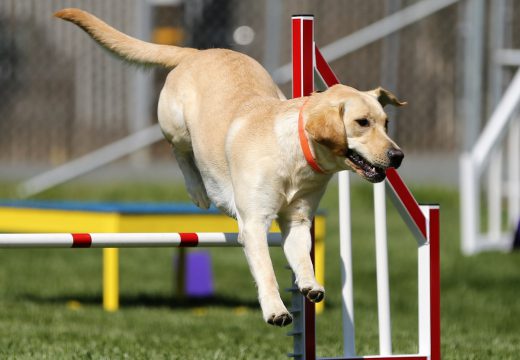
282,319
274,311
314,293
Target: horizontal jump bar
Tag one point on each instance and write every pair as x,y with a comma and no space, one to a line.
126,240
380,357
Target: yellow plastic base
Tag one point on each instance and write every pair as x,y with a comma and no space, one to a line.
22,220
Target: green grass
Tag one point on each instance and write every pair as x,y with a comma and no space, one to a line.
480,307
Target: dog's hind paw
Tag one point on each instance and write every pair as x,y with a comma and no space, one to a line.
283,319
199,196
315,294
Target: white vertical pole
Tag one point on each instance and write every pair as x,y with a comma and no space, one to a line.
494,196
141,84
514,173
497,37
423,263
383,288
347,288
473,31
497,26
273,29
498,123
469,204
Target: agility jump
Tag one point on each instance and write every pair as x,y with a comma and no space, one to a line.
423,221
126,240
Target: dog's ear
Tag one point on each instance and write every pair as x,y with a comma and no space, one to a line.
325,126
385,97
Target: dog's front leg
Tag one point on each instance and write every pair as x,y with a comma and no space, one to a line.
297,247
253,234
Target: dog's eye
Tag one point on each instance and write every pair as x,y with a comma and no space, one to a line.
363,122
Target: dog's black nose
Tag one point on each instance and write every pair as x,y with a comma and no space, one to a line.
396,157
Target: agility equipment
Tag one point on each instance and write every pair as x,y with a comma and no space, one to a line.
423,221
516,241
36,216
125,240
487,154
490,163
198,281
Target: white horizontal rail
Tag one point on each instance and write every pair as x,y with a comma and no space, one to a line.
283,74
379,357
371,33
497,124
91,161
508,57
125,240
384,27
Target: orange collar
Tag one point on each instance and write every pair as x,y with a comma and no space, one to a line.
304,143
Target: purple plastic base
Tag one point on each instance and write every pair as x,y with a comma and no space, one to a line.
198,275
516,241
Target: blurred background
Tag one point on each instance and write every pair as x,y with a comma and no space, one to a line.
78,124
62,96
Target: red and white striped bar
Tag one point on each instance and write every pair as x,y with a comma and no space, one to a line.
126,240
407,205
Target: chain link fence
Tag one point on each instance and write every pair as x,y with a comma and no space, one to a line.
62,96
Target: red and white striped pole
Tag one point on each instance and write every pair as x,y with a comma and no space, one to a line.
303,55
303,85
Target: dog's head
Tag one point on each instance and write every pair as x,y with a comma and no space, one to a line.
353,126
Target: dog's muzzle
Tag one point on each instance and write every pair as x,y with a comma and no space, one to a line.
372,172
364,168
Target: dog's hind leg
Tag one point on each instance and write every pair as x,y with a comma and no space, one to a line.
192,178
173,125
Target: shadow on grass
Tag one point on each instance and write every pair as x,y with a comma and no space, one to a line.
147,300
151,300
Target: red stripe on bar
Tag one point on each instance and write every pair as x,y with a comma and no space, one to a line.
406,197
189,239
435,284
81,240
324,69
296,58
308,56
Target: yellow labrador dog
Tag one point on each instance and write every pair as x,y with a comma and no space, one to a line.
237,141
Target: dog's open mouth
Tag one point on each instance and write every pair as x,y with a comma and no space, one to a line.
364,168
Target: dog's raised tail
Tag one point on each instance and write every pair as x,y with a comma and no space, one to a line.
127,47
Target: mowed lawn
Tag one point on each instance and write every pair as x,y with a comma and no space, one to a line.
50,300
